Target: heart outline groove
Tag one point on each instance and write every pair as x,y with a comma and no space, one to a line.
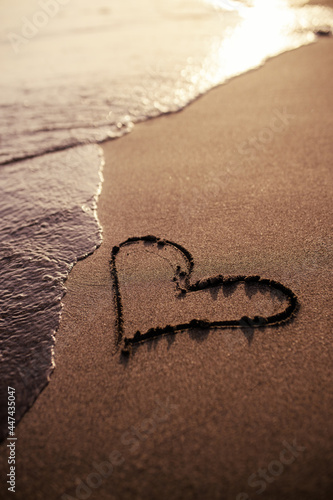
184,285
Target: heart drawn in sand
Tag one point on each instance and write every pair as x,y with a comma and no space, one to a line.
184,290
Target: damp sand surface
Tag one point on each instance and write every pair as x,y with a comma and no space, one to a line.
247,191
85,76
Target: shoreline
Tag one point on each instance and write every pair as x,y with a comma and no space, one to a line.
234,187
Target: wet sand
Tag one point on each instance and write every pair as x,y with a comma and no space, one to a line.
242,179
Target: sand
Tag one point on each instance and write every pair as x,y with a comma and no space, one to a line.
242,179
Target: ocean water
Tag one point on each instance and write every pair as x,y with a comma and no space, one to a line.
74,74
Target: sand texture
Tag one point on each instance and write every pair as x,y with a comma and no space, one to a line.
242,180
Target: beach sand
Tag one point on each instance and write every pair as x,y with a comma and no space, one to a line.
242,179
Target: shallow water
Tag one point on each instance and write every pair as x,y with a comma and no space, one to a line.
48,208
75,73
93,71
